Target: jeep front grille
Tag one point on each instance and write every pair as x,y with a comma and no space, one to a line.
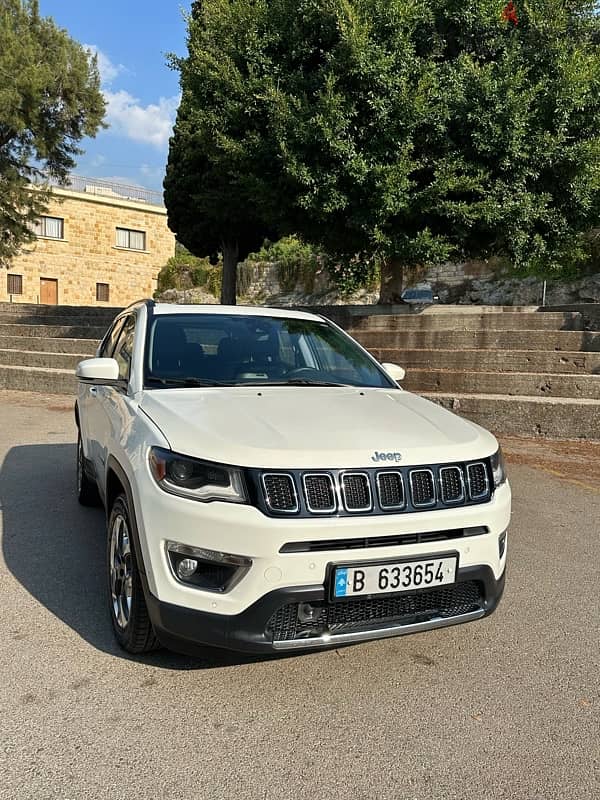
422,487
390,490
356,491
280,492
319,493
452,485
478,480
371,491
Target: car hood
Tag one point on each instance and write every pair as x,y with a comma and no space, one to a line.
312,427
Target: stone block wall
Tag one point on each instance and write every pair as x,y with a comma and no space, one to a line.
258,281
453,274
88,254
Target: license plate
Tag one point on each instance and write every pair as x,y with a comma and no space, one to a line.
404,576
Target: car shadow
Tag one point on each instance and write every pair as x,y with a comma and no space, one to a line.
56,549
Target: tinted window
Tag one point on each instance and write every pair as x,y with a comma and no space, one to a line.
254,349
124,349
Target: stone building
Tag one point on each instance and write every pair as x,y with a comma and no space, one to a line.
99,243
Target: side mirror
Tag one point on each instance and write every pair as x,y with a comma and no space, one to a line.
395,372
98,370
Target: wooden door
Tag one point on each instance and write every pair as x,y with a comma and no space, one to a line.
49,291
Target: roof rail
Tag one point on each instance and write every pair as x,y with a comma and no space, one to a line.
147,301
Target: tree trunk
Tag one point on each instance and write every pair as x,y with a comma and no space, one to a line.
229,283
392,274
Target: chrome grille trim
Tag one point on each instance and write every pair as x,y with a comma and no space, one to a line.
377,633
383,473
329,478
462,496
411,475
350,509
272,508
486,492
367,491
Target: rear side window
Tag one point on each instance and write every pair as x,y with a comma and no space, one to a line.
123,353
107,347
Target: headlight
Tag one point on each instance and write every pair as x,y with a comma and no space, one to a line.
198,480
498,469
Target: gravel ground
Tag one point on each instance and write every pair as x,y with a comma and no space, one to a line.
508,707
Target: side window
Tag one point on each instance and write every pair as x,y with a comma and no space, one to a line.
124,350
108,345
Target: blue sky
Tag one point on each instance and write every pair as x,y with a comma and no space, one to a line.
142,93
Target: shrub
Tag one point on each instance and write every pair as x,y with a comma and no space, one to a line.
297,261
184,271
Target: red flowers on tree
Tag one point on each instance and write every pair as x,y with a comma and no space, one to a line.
509,13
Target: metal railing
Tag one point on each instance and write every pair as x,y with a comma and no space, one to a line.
106,188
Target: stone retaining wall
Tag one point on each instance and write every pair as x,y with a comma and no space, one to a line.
470,283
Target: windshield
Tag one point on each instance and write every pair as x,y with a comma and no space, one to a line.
233,350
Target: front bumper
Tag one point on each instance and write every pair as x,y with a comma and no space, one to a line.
187,630
268,543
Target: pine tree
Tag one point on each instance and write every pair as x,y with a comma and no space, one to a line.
220,182
49,100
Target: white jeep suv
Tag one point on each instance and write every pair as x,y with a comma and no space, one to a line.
269,487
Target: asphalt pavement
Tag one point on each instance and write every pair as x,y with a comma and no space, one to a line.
507,707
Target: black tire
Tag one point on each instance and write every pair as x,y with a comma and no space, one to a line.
87,491
126,601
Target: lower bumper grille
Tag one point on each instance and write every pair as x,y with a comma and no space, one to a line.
302,620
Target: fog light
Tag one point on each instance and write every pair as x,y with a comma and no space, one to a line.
186,568
209,570
307,613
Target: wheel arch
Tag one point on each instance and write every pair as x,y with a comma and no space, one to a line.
118,483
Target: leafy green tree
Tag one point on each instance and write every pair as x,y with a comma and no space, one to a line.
402,131
49,100
418,130
220,175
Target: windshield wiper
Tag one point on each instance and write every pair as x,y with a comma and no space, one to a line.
293,382
183,381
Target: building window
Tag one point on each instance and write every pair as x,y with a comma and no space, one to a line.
50,227
14,284
132,240
102,292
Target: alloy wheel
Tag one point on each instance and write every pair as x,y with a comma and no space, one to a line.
121,580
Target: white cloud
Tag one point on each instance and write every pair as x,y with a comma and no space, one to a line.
108,70
152,173
151,124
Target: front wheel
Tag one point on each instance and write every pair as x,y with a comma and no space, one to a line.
128,610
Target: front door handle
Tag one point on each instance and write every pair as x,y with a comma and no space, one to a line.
94,390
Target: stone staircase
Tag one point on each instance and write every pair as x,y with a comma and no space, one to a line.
40,346
514,370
